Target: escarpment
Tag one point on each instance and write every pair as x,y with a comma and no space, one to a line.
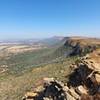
82,46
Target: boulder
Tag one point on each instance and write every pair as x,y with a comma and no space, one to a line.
29,96
72,92
81,90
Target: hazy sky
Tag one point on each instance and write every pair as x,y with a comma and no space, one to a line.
46,18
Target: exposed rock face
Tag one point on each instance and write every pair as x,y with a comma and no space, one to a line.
52,90
85,79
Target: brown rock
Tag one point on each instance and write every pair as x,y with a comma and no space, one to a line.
81,90
97,76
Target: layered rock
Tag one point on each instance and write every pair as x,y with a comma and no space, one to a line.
52,90
82,45
85,79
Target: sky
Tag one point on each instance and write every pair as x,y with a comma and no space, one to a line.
47,18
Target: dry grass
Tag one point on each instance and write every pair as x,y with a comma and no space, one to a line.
14,87
85,41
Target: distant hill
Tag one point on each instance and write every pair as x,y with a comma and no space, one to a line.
45,41
53,40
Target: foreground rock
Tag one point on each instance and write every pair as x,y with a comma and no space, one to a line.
85,78
52,90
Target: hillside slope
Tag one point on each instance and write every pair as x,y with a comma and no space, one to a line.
83,80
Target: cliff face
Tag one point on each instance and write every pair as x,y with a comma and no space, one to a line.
82,46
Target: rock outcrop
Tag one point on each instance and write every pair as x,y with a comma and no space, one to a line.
85,79
52,90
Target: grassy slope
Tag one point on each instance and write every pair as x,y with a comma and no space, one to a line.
13,87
